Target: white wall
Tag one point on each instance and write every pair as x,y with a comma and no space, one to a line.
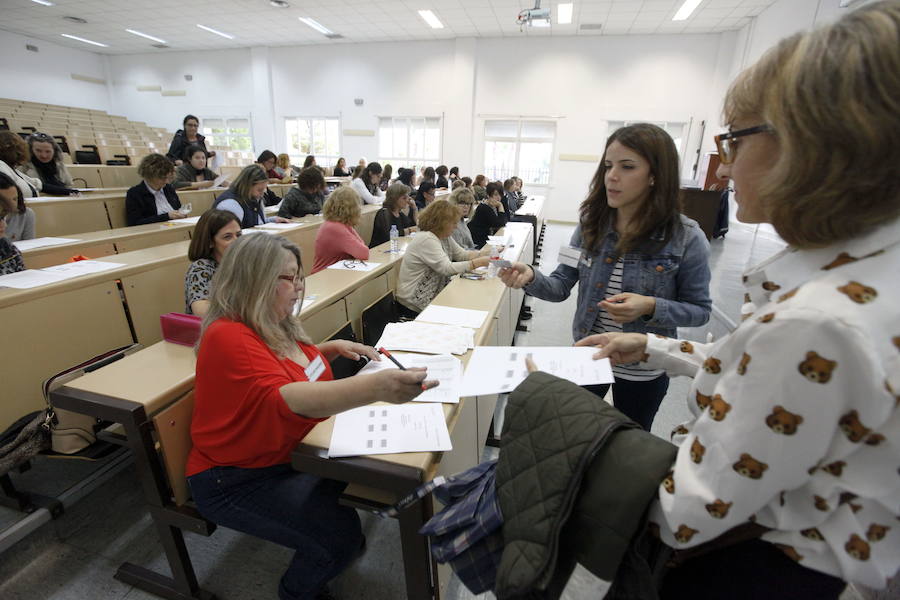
46,76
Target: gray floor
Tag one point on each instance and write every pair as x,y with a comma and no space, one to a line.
75,556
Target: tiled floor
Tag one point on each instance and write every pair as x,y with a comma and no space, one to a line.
76,556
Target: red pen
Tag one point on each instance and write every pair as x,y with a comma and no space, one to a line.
396,362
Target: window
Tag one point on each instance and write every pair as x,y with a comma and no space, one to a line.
228,131
319,136
409,141
521,148
675,129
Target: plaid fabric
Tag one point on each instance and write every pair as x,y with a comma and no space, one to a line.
467,532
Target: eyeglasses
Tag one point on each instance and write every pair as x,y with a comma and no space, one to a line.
354,264
727,143
294,279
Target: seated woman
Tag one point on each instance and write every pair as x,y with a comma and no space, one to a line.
215,231
463,199
478,186
188,136
407,177
261,385
459,183
425,194
309,161
154,199
284,167
392,213
432,257
18,220
490,215
366,185
340,169
386,177
13,157
245,196
10,257
267,160
795,415
47,164
337,239
193,174
441,183
307,198
467,181
454,175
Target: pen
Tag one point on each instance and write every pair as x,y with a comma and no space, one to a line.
397,362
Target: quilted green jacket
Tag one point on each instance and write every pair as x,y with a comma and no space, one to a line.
574,480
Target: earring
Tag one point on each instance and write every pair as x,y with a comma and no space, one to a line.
651,182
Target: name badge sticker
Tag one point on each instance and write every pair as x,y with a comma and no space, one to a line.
315,369
569,256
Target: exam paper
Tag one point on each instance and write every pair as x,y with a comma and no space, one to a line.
29,278
355,265
24,245
499,369
81,267
278,225
448,315
186,221
217,182
386,429
446,369
250,230
427,338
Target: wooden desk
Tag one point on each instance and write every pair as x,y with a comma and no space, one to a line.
62,216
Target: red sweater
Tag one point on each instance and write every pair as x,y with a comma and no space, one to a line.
240,418
336,241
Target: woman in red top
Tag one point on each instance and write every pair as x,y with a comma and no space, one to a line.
261,386
337,239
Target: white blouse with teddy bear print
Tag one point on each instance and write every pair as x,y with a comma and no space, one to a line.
795,422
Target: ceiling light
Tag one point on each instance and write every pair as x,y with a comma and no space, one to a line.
540,23
430,18
564,13
75,37
144,35
316,25
43,2
279,3
215,31
686,9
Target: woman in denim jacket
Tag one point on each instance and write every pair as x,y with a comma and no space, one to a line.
643,267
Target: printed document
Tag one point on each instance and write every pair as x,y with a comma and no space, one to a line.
444,368
388,429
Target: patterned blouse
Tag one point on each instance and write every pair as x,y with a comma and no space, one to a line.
10,258
198,282
795,422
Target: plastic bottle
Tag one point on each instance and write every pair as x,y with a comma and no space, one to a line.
492,265
395,239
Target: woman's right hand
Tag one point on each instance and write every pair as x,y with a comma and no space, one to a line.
176,215
517,276
398,386
480,261
620,348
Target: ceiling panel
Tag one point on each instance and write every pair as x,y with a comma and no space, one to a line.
256,22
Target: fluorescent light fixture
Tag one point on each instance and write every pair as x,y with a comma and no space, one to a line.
75,37
686,9
430,18
564,13
316,25
540,23
215,31
43,2
144,35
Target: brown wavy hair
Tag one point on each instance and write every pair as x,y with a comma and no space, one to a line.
661,207
13,149
832,96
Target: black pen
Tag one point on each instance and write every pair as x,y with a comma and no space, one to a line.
392,359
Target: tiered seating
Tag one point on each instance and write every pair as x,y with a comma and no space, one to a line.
107,139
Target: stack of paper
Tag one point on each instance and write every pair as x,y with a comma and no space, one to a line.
498,369
386,429
24,245
31,278
443,368
427,338
186,221
278,225
463,317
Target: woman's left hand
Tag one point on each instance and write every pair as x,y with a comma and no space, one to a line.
282,220
352,350
626,307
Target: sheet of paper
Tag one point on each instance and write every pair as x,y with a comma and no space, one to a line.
29,278
187,221
82,267
217,182
278,225
444,368
498,240
355,265
448,315
427,338
307,300
250,230
386,429
24,245
499,369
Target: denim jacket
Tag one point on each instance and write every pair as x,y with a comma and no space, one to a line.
677,275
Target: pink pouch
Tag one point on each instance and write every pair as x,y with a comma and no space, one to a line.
180,329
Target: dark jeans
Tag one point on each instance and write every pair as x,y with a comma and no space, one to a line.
637,400
293,509
753,570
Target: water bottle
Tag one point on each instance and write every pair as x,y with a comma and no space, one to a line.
492,265
395,239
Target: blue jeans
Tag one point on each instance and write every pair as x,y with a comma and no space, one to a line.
637,400
292,509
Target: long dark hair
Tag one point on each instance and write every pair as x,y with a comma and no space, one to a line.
203,239
424,187
373,168
7,182
661,207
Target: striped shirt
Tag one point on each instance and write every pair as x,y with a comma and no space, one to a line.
605,324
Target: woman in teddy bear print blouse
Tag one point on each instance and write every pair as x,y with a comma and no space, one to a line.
795,414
